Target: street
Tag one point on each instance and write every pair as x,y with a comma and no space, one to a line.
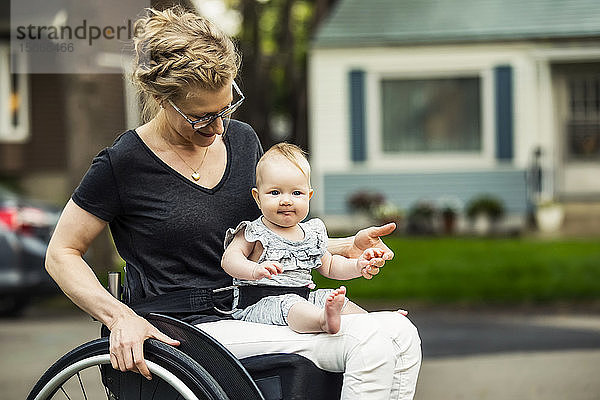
467,354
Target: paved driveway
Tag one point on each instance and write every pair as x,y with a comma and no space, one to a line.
467,355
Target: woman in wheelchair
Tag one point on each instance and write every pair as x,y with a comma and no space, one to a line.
169,190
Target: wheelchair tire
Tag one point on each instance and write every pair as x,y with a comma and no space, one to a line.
87,368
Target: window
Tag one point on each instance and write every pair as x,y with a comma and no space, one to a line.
583,121
431,115
14,110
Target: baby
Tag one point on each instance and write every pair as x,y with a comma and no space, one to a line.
271,258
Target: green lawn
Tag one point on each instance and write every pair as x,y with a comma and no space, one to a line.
494,271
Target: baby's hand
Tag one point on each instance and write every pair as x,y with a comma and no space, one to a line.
370,261
266,269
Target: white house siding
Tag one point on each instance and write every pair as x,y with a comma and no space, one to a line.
533,123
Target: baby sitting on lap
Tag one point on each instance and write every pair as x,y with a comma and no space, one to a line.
271,258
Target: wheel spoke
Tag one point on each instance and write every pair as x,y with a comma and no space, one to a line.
65,393
82,387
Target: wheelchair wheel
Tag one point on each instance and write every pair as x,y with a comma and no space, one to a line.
85,373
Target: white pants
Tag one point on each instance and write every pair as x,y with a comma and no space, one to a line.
379,353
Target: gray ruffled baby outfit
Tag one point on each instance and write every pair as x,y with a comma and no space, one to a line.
297,260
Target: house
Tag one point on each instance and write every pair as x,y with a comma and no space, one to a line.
52,123
434,99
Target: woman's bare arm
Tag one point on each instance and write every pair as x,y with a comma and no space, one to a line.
73,235
75,231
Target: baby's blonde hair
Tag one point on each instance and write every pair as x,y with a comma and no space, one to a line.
291,152
177,50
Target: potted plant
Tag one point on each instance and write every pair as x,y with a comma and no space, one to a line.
484,212
421,218
449,208
388,212
365,201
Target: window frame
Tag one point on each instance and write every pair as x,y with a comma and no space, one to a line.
9,133
430,159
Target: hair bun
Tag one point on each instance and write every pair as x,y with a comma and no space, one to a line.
176,50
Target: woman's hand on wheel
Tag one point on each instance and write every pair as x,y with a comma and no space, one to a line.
127,336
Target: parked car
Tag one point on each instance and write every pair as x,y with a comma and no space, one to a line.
25,229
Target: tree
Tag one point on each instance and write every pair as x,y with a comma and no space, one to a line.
274,40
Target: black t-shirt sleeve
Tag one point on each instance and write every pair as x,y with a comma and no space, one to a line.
97,192
259,151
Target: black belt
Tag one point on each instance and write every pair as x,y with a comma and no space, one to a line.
183,301
199,300
250,294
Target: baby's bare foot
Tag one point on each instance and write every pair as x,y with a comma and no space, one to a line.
333,308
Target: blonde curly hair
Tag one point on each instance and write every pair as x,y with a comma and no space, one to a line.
177,51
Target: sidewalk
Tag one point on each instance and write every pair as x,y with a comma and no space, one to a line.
552,375
510,356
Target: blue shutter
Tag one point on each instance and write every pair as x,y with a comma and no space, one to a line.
504,112
358,146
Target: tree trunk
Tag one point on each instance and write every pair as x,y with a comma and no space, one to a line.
255,110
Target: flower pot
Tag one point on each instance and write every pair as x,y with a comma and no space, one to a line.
449,223
549,218
482,224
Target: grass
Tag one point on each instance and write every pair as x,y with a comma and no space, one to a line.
491,271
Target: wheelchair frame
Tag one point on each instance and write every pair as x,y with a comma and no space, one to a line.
199,368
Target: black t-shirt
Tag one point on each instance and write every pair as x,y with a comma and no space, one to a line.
169,230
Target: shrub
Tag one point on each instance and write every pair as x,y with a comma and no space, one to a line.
387,212
487,205
421,218
365,201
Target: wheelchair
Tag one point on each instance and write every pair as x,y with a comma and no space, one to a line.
200,368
